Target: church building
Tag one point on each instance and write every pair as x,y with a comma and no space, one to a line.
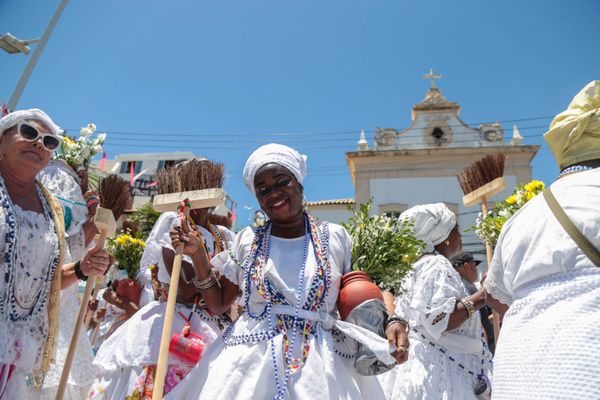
420,164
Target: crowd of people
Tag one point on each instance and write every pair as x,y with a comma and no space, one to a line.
256,313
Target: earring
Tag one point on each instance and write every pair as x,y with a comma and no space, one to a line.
447,243
260,218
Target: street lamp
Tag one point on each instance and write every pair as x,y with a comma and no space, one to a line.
13,45
21,46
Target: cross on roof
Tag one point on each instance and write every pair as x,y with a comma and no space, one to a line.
433,77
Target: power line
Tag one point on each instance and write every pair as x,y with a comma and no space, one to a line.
345,143
307,133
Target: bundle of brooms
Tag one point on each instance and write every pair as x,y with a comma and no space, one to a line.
192,184
480,181
114,198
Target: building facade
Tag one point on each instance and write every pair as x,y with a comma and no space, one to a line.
420,164
140,170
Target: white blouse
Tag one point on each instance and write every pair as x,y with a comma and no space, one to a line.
22,342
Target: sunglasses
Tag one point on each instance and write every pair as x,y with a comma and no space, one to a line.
30,133
281,183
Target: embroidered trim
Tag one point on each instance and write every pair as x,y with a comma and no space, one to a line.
9,306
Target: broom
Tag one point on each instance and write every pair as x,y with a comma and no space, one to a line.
114,194
114,199
480,181
193,184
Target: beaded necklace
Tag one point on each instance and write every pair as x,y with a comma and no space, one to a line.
254,266
216,234
573,169
9,303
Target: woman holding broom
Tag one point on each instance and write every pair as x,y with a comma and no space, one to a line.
31,241
550,337
449,359
63,182
288,342
128,358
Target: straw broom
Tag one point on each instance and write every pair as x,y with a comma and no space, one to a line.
114,199
193,184
480,181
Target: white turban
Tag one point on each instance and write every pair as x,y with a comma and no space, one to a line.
433,223
13,118
274,154
574,134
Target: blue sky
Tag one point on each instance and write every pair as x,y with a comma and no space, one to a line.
220,78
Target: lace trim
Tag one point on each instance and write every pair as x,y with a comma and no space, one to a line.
496,292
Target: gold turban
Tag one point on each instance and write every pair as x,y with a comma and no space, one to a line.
574,134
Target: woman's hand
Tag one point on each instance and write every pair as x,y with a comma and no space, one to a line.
184,235
95,262
397,336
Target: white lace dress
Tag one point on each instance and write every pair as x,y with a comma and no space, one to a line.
22,342
433,369
550,338
61,181
127,358
240,365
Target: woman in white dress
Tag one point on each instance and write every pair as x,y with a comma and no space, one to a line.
127,358
448,357
550,337
63,183
31,241
288,343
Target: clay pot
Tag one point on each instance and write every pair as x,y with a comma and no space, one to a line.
356,288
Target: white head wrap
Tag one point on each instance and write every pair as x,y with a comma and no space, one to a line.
433,223
13,118
276,154
574,134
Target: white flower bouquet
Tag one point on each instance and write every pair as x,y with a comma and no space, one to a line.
77,152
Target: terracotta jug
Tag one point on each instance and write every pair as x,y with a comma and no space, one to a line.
355,289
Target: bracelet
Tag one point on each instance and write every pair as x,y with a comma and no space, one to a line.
205,283
469,306
184,276
79,272
396,319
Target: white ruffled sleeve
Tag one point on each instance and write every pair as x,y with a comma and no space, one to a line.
60,180
495,282
435,294
229,262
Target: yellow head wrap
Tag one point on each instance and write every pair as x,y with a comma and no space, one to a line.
574,134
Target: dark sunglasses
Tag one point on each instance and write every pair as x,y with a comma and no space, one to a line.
281,183
30,133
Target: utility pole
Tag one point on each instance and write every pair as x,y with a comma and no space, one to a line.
12,103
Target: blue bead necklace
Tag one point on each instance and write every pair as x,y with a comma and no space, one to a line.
9,304
254,267
573,169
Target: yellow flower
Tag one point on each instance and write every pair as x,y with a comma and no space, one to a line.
123,239
530,196
534,185
510,200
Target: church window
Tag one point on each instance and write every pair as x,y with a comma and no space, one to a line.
438,134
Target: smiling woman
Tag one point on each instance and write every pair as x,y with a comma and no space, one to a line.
289,342
30,218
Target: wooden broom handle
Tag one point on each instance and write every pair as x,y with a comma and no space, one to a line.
163,355
489,251
97,288
89,285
